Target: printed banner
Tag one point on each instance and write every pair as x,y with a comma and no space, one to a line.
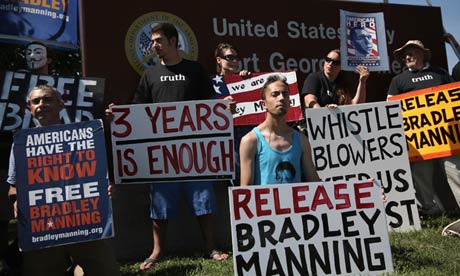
309,229
247,93
83,98
179,141
432,121
62,185
56,22
363,141
363,41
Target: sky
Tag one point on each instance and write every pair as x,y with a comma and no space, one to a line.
450,11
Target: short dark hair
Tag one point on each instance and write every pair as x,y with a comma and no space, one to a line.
271,79
48,88
167,29
219,52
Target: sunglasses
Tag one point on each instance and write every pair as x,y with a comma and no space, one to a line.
231,57
333,61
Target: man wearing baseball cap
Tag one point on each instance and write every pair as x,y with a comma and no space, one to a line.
421,74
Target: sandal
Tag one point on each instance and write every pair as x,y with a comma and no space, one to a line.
148,263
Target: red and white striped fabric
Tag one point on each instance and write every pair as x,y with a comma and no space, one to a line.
247,94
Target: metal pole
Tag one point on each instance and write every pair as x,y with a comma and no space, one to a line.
82,38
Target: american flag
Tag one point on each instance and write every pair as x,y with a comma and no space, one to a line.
246,92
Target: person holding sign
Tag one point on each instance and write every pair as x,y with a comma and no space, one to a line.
421,74
227,61
273,152
95,257
176,79
327,88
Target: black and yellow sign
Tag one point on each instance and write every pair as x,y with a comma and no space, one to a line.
431,119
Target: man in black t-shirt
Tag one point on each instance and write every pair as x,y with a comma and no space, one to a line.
328,88
176,79
421,74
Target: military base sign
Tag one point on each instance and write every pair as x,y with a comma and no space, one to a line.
62,185
364,141
172,141
309,229
83,98
431,119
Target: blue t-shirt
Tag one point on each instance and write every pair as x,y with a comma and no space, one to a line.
277,167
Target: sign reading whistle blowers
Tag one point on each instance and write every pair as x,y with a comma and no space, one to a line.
178,141
309,229
363,41
62,183
358,142
431,119
246,91
83,98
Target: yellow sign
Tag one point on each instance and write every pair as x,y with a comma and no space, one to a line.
431,119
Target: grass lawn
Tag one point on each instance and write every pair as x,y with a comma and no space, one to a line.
423,253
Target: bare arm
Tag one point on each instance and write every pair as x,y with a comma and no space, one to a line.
248,150
311,101
12,195
360,96
308,167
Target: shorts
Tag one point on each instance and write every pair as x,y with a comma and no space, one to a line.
165,198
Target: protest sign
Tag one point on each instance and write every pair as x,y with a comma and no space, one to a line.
178,141
83,98
309,229
358,142
363,41
54,21
246,91
62,183
431,119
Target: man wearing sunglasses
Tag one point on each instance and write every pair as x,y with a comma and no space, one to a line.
421,74
327,88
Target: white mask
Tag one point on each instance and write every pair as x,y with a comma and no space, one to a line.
36,56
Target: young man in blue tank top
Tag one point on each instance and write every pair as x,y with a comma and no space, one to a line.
273,152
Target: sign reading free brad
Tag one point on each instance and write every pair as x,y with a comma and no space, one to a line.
83,98
62,185
178,141
432,121
358,142
309,229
